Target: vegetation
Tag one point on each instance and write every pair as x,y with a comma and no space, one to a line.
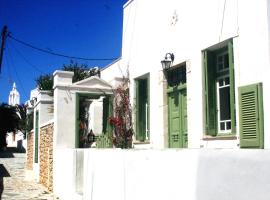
122,119
12,119
45,82
81,71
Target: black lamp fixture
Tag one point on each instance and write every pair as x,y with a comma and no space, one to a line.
168,61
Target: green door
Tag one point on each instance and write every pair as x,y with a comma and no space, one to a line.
178,119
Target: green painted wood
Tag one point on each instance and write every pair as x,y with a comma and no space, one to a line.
232,87
251,116
184,116
110,113
105,122
137,106
142,101
210,93
148,107
178,133
36,136
104,141
77,121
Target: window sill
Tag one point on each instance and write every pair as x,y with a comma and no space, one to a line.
219,137
141,142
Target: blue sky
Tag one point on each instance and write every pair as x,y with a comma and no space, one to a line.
82,28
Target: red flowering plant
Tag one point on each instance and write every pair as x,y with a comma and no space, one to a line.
122,119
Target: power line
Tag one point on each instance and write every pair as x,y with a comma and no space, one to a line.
25,59
223,14
17,75
58,54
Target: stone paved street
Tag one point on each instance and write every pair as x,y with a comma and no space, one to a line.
12,169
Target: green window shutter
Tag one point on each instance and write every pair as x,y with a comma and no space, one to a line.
251,116
139,112
36,136
232,87
137,106
110,113
77,121
148,108
105,115
210,93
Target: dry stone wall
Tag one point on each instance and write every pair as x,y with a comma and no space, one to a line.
30,149
46,156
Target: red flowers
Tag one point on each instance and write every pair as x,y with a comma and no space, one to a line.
115,121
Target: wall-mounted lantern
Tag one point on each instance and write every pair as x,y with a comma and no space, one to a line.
168,61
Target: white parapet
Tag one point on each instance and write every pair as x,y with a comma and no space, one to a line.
62,78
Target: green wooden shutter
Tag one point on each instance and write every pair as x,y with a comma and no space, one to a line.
251,116
139,122
210,93
137,106
148,108
36,136
105,115
110,113
77,121
232,87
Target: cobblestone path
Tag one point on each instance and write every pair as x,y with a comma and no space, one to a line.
12,169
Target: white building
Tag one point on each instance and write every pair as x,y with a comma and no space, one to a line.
211,96
14,96
214,95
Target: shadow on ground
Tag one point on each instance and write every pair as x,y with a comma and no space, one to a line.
3,173
8,153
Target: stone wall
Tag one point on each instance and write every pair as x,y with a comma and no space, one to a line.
30,149
46,156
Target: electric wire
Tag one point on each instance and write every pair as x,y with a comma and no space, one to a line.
25,59
9,77
57,54
222,22
16,73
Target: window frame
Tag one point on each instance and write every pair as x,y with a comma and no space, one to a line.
139,135
210,76
105,126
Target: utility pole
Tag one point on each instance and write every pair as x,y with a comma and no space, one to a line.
4,37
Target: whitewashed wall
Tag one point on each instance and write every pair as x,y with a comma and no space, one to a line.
114,73
164,174
65,104
150,31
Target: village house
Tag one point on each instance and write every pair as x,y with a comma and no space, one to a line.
198,73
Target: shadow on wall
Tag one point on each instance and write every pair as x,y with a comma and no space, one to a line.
233,174
20,147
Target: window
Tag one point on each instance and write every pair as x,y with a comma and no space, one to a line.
142,108
219,90
176,76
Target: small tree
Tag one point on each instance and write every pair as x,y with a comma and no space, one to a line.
10,120
45,82
81,71
122,119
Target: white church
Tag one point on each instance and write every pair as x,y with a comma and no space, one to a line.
13,100
14,96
